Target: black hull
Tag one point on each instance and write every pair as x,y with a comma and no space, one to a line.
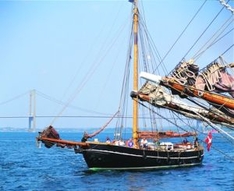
104,157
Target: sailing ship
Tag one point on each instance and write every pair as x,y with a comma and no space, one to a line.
152,149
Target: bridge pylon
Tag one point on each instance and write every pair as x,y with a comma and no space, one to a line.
32,111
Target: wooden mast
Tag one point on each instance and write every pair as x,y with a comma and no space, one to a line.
135,74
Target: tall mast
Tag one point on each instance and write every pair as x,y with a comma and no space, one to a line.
135,74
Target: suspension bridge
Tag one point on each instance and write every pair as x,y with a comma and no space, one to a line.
32,115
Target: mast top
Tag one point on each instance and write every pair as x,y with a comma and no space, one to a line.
133,1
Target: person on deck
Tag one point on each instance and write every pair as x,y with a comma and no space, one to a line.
108,140
144,143
85,137
185,141
130,143
156,142
196,143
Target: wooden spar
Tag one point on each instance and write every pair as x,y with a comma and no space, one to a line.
223,101
135,75
65,142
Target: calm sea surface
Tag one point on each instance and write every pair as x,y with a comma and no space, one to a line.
23,166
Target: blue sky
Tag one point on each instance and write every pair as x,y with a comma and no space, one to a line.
51,46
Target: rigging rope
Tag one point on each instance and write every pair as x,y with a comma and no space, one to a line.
227,49
216,37
203,33
52,99
225,4
90,73
206,120
183,31
152,47
102,128
167,119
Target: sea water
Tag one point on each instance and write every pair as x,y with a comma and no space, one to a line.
24,166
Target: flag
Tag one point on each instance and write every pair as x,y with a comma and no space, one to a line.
208,140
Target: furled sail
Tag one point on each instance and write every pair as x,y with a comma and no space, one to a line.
157,96
213,78
209,84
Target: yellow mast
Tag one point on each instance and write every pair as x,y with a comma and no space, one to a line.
135,74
